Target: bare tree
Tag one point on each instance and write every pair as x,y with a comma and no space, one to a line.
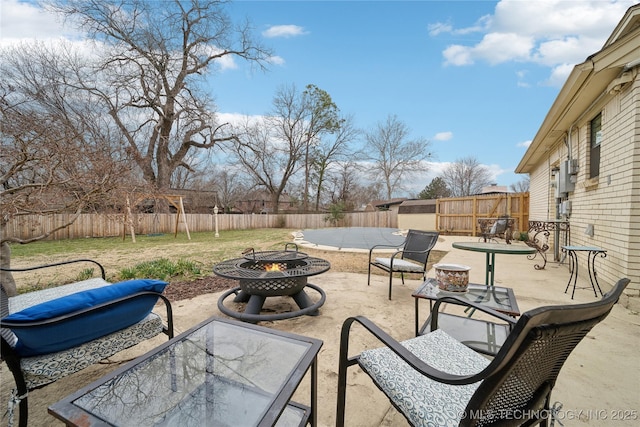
155,58
345,186
56,154
276,147
466,176
230,186
330,150
270,151
320,118
393,155
521,186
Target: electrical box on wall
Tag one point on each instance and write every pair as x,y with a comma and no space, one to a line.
566,177
565,208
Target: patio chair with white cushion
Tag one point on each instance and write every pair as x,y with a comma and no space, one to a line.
51,333
434,380
410,257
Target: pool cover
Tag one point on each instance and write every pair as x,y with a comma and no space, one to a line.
353,237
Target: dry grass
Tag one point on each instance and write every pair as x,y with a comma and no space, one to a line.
356,262
115,254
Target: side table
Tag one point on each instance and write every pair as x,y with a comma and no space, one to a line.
484,337
592,252
221,372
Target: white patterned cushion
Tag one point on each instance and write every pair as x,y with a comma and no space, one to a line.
401,265
423,401
47,368
29,299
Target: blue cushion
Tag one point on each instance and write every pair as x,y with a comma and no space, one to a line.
72,332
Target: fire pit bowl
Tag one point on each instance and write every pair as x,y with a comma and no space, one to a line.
265,274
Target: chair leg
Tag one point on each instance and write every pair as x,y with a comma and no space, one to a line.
369,275
21,390
342,391
24,411
343,364
390,281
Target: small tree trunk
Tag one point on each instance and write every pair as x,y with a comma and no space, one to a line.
130,221
6,278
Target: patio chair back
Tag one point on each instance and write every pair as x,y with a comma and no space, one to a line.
418,245
528,364
499,227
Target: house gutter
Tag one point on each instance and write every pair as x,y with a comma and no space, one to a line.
627,75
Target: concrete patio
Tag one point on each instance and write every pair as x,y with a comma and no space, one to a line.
597,386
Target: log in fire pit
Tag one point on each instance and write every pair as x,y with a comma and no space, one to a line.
263,274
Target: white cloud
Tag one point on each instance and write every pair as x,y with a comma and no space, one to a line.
24,22
439,28
496,171
276,60
502,47
284,31
481,25
559,74
436,168
443,136
524,144
551,33
494,48
521,76
238,119
458,55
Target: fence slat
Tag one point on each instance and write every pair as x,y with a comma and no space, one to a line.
111,225
459,215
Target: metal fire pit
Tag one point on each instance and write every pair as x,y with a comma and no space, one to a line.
265,274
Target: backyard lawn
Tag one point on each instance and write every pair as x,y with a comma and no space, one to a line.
187,264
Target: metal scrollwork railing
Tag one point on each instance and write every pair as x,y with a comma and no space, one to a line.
538,238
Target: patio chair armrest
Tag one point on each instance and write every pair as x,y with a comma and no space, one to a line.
402,352
459,301
396,247
84,311
82,325
55,264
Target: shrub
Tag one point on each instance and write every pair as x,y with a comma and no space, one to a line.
281,221
336,213
161,269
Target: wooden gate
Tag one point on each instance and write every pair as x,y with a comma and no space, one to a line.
459,215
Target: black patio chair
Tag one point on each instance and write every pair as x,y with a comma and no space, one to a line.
70,327
435,380
411,256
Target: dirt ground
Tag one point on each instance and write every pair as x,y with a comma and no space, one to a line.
193,301
340,261
598,386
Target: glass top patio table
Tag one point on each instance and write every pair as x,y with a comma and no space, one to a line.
496,297
491,249
220,373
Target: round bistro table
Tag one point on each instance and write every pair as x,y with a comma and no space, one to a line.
491,249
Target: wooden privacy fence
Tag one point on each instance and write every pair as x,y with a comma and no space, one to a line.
459,215
111,225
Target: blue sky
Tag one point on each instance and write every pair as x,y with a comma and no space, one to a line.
476,78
